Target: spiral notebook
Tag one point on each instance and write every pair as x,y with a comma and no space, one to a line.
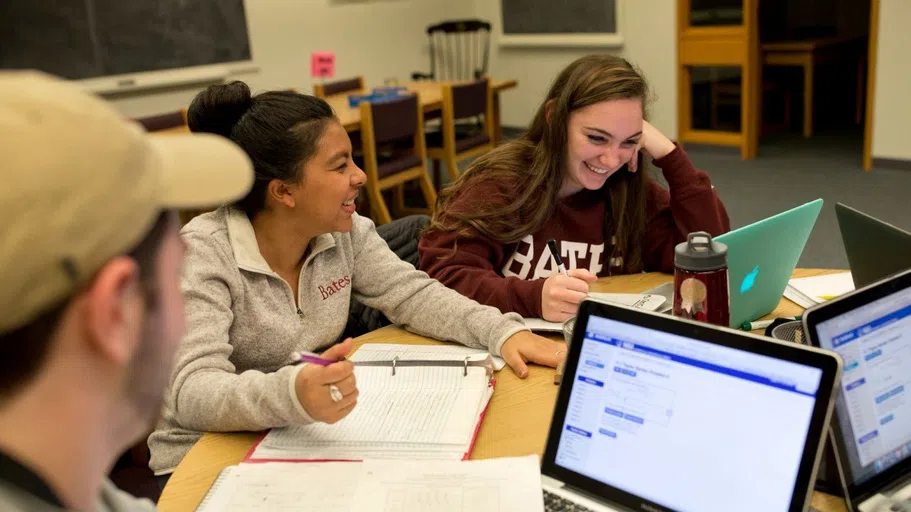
422,402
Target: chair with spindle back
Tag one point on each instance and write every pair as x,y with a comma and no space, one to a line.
392,134
456,141
338,87
459,50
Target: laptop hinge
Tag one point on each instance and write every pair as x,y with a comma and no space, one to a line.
898,485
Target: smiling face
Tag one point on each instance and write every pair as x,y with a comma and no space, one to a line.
601,138
331,183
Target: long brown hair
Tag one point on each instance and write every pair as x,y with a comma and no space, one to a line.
532,168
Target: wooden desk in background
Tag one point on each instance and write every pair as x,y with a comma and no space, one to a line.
807,54
430,94
516,422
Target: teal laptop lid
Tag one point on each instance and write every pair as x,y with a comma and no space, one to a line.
762,257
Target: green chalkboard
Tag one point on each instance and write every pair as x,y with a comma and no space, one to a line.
526,17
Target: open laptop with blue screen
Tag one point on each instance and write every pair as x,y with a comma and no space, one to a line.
656,413
871,431
761,258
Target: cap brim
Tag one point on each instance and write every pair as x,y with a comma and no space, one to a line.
200,170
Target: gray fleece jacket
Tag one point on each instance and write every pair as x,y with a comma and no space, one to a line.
111,499
234,366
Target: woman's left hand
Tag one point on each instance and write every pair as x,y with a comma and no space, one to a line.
525,346
653,142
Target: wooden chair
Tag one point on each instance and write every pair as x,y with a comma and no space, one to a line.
169,122
457,141
392,134
459,50
338,87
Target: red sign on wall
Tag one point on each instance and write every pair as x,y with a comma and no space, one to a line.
322,65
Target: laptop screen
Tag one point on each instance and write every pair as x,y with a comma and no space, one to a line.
685,423
872,404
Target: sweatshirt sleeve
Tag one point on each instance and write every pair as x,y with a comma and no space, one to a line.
690,205
467,264
207,392
420,304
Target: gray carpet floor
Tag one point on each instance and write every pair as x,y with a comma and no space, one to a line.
791,170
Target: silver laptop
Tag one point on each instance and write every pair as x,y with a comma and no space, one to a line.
871,430
875,249
657,414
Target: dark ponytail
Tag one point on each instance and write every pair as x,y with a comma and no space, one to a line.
279,130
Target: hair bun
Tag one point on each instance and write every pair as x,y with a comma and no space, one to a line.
218,108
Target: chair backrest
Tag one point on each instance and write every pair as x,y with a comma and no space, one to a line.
171,121
459,49
338,87
392,130
467,100
470,99
394,120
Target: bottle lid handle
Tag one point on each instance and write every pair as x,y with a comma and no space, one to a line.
699,241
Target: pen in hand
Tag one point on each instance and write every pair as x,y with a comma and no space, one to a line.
310,357
552,244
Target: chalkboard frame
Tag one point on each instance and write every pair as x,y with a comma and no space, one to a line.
588,40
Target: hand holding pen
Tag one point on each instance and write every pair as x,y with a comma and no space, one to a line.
326,387
564,290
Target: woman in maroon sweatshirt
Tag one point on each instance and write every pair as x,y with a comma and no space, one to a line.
576,176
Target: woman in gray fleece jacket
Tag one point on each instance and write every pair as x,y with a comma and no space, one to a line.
273,275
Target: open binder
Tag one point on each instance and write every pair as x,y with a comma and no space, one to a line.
415,402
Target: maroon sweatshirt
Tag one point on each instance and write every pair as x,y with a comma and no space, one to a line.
511,277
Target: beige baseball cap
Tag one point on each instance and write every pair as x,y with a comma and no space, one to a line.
81,185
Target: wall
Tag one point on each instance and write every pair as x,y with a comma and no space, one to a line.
892,110
284,32
649,29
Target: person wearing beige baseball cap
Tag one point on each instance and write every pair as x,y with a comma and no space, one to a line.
91,310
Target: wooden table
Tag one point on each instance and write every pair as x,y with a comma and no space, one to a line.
806,54
430,95
516,422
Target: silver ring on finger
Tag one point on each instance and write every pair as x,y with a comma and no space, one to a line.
335,393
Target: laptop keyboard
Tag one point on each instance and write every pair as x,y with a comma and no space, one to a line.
896,506
554,503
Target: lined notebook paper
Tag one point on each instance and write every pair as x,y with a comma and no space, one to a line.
493,485
422,412
649,302
809,291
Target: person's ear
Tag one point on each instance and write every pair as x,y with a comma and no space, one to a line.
548,109
281,192
112,310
